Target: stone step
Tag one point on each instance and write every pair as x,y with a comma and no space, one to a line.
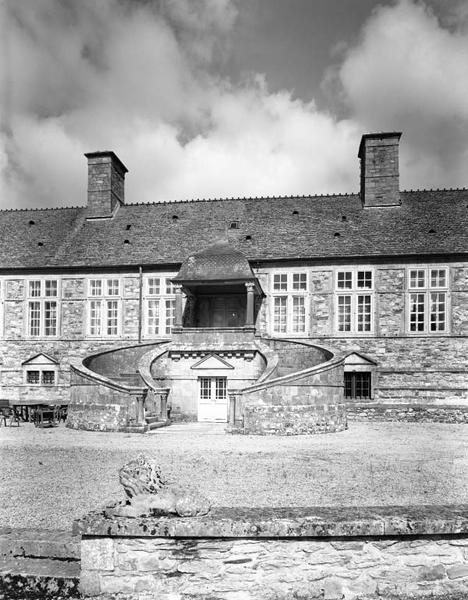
158,424
152,419
38,578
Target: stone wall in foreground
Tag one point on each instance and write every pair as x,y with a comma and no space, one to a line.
279,554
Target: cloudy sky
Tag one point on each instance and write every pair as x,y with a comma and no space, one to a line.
221,98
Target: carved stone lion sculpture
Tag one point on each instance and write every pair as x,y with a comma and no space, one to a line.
149,495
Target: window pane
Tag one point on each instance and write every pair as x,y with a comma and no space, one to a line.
95,317
438,278
279,316
205,388
364,313
417,278
50,288
364,279
152,321
348,387
170,287
113,287
362,385
34,289
344,280
357,385
299,281
50,318
48,377
153,286
437,316
417,311
298,324
221,388
280,282
112,316
170,315
34,318
95,287
344,313
32,377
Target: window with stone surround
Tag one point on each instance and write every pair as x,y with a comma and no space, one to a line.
104,307
354,301
427,299
158,305
39,370
289,302
357,385
42,307
40,377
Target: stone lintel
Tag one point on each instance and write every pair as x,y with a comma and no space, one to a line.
313,522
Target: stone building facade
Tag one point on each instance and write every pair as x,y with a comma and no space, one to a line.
378,278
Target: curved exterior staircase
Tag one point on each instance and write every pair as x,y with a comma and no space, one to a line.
299,388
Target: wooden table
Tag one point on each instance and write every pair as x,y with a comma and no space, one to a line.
45,415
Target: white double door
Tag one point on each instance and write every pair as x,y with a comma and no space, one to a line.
212,400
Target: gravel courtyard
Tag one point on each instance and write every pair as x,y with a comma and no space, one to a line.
48,477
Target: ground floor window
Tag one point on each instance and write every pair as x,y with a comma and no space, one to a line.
40,377
357,385
213,388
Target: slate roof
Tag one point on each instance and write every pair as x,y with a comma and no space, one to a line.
218,262
314,227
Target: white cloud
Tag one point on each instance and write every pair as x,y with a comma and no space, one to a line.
408,73
142,78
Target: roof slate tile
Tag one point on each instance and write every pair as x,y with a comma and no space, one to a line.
279,228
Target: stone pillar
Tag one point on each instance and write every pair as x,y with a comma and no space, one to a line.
249,315
232,408
178,306
140,416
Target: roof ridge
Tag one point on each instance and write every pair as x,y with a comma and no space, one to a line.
456,189
3,210
240,198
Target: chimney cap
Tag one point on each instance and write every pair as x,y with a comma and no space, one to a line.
377,136
108,153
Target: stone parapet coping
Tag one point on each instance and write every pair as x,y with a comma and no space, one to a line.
300,522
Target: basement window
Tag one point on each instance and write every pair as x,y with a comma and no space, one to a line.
248,237
234,225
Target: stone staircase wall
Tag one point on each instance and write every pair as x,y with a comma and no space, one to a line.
120,365
295,356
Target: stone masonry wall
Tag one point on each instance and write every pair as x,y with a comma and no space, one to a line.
280,554
274,569
72,344
431,369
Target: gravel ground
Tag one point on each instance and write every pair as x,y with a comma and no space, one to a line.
48,477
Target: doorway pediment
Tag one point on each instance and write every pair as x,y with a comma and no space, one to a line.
212,361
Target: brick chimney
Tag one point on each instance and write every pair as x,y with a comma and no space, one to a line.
380,183
106,183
